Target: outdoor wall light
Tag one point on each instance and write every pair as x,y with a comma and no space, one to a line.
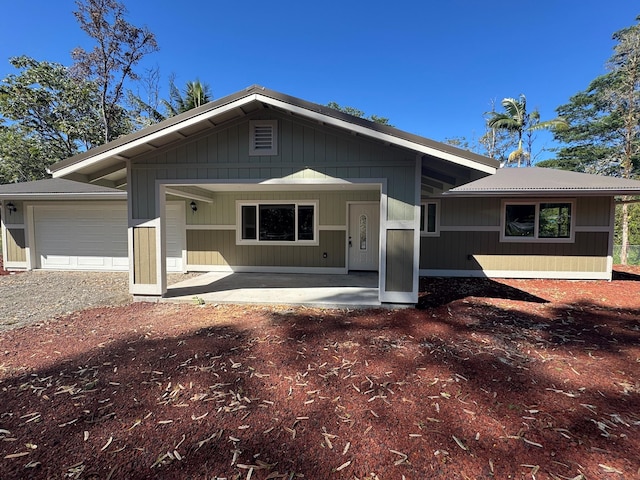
11,207
193,206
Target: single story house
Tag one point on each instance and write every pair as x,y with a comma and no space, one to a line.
260,181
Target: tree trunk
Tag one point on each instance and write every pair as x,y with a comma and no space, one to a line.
625,234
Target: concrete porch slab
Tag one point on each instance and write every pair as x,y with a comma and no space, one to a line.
358,289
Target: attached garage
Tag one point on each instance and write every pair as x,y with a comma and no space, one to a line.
99,233
58,224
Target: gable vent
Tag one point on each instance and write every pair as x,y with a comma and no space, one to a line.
263,137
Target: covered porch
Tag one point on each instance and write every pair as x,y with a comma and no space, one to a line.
355,290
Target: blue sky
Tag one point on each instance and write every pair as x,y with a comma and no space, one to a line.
432,67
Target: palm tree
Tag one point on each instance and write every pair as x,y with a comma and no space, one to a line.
196,94
515,119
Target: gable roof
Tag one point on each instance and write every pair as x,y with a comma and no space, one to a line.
545,182
58,188
105,160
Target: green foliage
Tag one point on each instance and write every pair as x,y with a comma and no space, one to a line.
359,113
119,47
46,115
516,120
195,95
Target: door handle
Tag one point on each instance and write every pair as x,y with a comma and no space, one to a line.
350,244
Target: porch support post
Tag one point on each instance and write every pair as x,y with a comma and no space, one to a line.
400,237
147,252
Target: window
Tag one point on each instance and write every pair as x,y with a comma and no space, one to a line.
263,137
273,223
430,218
550,221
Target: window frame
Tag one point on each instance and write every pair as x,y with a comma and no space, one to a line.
257,204
425,205
536,238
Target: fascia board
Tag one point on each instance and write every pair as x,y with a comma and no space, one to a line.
384,137
544,193
320,117
63,196
154,136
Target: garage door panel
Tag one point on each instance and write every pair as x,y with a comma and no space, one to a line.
81,237
94,237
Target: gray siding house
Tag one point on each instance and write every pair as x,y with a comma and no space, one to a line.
263,182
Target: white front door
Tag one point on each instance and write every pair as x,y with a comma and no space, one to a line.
364,236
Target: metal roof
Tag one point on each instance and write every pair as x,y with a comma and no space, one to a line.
52,188
546,181
108,161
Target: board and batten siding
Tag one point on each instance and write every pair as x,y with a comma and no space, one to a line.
306,150
399,268
469,240
144,255
16,246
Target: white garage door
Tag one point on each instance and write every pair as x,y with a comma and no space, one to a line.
94,237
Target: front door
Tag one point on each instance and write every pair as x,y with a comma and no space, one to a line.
364,236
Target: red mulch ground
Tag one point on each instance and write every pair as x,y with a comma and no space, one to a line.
487,379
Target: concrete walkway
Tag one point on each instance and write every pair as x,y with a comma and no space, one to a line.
359,289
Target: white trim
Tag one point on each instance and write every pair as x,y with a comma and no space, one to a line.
30,235
211,227
425,203
187,195
273,149
346,229
14,225
470,228
416,229
399,297
536,204
612,217
143,222
161,238
496,228
304,112
153,136
382,263
560,275
341,228
65,196
383,137
267,269
257,203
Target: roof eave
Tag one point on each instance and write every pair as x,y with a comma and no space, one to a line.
542,193
64,196
296,106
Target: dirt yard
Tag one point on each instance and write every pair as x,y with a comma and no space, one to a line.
487,379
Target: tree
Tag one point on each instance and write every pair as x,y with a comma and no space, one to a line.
119,48
359,113
517,120
195,95
604,136
46,115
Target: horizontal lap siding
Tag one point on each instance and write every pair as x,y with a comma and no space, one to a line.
218,247
332,205
484,251
16,245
